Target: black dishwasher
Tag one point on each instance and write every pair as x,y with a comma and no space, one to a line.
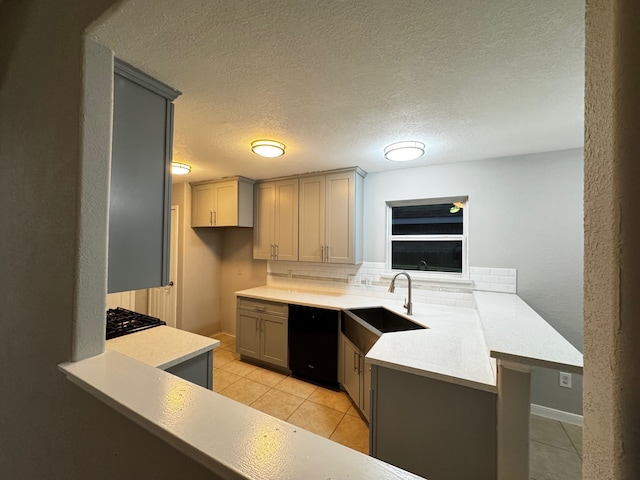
313,345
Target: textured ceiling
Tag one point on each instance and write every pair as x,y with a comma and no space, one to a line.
338,80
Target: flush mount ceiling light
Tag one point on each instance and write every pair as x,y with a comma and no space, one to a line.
404,151
267,148
180,168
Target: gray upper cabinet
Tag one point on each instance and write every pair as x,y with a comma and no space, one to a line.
140,190
331,217
222,203
275,230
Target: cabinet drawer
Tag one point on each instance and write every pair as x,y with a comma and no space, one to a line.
263,306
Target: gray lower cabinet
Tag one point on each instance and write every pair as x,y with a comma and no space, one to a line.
356,375
198,370
432,428
262,331
140,189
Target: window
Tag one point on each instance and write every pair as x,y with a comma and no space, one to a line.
428,235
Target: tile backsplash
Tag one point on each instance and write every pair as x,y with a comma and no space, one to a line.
371,279
494,279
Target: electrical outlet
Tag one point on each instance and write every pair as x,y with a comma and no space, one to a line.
367,280
565,380
354,279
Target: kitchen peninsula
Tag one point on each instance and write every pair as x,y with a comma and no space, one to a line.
478,360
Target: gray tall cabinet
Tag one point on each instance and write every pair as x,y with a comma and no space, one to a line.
140,190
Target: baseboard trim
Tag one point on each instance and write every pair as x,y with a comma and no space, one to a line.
552,413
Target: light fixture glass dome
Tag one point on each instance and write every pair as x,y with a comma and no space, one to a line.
404,151
180,168
267,148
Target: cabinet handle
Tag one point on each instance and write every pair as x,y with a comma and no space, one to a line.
326,253
321,253
277,251
355,361
271,252
215,217
210,218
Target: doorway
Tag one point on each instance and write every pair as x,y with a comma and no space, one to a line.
162,301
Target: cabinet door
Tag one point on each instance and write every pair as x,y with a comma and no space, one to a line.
248,332
263,220
274,340
340,218
350,366
140,189
286,220
365,406
202,205
312,219
225,211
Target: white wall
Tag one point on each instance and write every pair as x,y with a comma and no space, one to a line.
53,256
239,271
612,236
524,213
213,263
199,267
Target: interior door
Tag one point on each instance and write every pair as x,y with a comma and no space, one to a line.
122,299
163,300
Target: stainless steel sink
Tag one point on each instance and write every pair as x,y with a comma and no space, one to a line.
363,326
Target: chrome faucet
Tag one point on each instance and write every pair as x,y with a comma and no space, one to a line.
392,287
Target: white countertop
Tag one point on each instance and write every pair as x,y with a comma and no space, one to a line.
461,345
451,349
515,332
227,437
162,347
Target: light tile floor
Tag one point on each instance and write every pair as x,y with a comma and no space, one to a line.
555,450
319,410
556,447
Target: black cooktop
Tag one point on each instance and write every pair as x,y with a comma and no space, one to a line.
121,321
